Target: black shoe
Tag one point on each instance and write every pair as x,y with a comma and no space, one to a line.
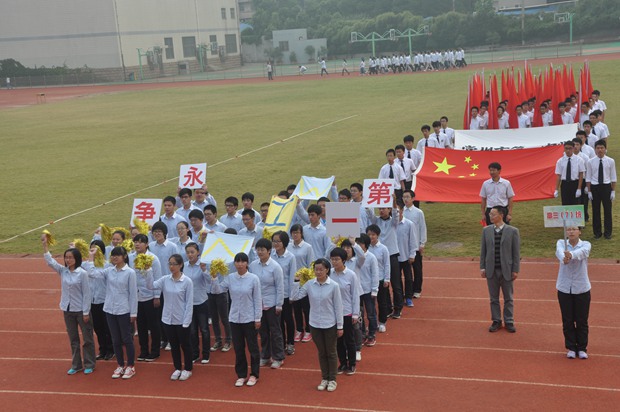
163,344
350,371
395,314
510,327
495,326
608,237
109,356
152,357
597,236
341,369
142,357
101,356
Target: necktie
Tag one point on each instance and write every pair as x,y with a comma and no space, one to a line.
594,131
568,171
409,154
402,164
601,178
391,172
437,135
426,143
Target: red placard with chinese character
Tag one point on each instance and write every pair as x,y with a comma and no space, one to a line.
378,193
147,210
193,176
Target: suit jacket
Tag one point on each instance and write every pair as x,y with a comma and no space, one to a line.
510,251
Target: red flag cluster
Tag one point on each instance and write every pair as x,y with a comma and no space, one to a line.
551,85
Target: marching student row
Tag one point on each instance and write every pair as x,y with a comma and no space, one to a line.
173,297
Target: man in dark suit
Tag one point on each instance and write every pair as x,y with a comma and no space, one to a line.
500,263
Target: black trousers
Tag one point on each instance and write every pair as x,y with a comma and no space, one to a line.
575,311
179,339
346,343
200,321
384,302
568,189
417,273
600,195
287,324
100,324
301,308
148,320
405,268
242,334
397,283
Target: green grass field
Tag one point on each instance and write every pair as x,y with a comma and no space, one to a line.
61,158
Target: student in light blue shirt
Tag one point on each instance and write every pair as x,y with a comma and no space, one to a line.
573,288
326,319
245,317
272,290
121,306
232,219
178,292
369,282
247,200
382,254
183,239
170,218
349,290
287,262
211,222
75,299
315,233
149,303
304,256
187,206
100,324
251,230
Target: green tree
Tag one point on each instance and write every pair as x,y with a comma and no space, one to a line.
292,57
310,50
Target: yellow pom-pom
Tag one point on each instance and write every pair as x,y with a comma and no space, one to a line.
218,267
143,262
99,259
304,275
82,247
106,233
267,233
338,241
128,245
142,226
50,239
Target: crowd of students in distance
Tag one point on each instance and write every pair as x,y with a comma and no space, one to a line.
157,283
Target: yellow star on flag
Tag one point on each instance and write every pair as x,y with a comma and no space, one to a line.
472,174
467,159
444,166
475,166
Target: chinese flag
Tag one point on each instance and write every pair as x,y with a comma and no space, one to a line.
456,176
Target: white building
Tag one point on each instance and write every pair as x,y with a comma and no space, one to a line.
164,36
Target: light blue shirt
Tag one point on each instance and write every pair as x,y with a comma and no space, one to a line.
388,231
181,245
407,240
383,260
271,282
144,293
349,286
256,233
97,288
232,222
317,237
121,294
573,277
75,293
163,253
245,297
201,281
217,227
289,267
304,255
178,298
417,218
172,222
369,275
184,213
325,302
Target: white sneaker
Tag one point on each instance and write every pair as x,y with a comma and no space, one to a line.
331,386
175,375
118,372
571,354
240,382
417,295
582,355
381,328
185,375
168,347
323,385
276,364
129,372
358,356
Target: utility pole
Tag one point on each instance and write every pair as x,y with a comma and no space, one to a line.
522,22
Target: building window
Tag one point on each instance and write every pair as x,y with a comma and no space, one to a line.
232,13
284,46
189,46
231,43
223,13
241,7
169,46
213,41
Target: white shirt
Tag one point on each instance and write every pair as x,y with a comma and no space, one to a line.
573,277
448,131
475,123
398,174
422,143
567,118
497,193
609,170
524,121
407,166
576,167
547,119
414,155
442,138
